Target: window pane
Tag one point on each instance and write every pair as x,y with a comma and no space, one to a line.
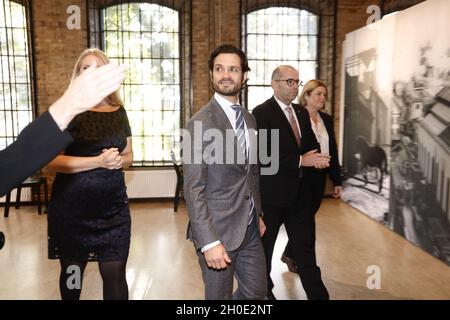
23,119
309,69
171,98
170,44
131,43
147,45
152,87
15,86
135,70
313,23
111,40
293,43
7,120
269,67
156,75
257,95
276,36
308,47
18,17
3,48
22,93
251,46
137,147
20,69
19,37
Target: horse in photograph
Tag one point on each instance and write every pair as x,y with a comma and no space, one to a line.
371,156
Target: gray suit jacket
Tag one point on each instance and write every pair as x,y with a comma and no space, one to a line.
218,195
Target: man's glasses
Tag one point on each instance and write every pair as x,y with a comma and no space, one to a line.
292,82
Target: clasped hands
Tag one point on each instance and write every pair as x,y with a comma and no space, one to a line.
316,160
110,159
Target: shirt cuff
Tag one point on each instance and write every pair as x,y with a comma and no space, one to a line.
300,161
209,246
60,126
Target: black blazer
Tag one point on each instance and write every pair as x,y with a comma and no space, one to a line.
334,170
35,146
314,180
281,189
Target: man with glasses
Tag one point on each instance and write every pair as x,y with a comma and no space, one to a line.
281,193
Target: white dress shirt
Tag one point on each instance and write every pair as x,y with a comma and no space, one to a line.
321,134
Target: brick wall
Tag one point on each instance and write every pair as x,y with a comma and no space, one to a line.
213,22
56,48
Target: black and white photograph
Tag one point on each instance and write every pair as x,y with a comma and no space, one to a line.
408,154
368,64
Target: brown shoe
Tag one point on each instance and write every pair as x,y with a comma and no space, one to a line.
290,263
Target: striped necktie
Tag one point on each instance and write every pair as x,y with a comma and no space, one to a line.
240,133
240,129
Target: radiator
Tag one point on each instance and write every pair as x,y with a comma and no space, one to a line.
25,195
150,183
140,184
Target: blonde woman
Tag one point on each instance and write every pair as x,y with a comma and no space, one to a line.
88,217
313,99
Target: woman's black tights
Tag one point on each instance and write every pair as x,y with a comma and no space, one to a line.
113,273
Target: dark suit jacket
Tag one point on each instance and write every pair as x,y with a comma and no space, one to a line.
334,170
281,189
35,146
314,180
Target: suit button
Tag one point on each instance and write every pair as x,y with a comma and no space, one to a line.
247,197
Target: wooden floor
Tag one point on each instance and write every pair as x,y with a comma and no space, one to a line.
163,264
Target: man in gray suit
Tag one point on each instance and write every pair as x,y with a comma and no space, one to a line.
221,183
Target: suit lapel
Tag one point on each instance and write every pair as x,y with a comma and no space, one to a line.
307,132
218,116
328,124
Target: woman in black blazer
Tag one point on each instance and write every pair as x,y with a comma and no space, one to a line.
313,98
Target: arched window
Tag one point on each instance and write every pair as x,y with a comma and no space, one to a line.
16,107
146,37
274,36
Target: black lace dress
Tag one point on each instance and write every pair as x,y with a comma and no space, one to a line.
88,216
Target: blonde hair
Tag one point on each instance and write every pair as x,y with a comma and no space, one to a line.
309,87
114,98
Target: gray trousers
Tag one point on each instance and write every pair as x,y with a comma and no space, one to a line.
248,265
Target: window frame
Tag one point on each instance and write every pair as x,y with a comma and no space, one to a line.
244,40
30,78
100,42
